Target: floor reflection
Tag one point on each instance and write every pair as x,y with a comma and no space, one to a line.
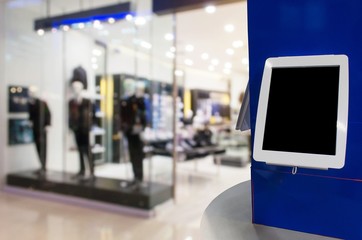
27,218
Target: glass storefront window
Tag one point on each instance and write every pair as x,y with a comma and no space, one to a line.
98,100
84,99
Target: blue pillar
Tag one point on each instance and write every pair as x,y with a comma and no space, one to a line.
314,201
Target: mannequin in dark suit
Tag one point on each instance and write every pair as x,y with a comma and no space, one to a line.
40,117
80,122
133,123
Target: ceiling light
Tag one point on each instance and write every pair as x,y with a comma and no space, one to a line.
97,52
245,61
81,25
54,30
173,49
66,28
111,20
94,60
230,51
169,36
210,9
229,28
211,68
189,48
179,73
95,66
97,24
238,44
146,45
40,32
170,55
189,62
215,62
129,17
228,65
205,56
140,21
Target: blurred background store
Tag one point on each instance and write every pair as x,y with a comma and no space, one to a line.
179,74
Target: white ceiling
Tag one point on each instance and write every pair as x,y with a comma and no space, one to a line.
202,30
206,33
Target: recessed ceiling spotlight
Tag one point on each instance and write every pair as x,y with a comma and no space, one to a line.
40,32
129,17
228,65
81,25
189,62
205,56
169,36
215,62
97,52
229,28
94,60
245,61
173,49
210,9
146,45
111,20
140,21
95,66
66,28
97,24
230,51
189,48
211,68
238,44
170,55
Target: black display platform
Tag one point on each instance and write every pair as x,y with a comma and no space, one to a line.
100,189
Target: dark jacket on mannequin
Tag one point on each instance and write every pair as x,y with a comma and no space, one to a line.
133,112
39,115
80,116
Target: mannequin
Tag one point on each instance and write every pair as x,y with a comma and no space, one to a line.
80,122
133,123
39,116
80,75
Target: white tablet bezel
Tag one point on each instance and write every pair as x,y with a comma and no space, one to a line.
304,159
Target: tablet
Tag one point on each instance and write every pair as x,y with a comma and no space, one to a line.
302,115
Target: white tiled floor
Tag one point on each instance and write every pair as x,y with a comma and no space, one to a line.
27,219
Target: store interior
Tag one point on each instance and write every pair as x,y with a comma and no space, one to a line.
194,63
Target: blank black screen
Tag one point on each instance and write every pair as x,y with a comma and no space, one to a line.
302,110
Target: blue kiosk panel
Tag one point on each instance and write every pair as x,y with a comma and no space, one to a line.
325,202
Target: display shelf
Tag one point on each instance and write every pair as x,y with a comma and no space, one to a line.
100,114
98,149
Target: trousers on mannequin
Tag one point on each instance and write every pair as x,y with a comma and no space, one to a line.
135,148
80,121
40,117
40,138
133,122
82,141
